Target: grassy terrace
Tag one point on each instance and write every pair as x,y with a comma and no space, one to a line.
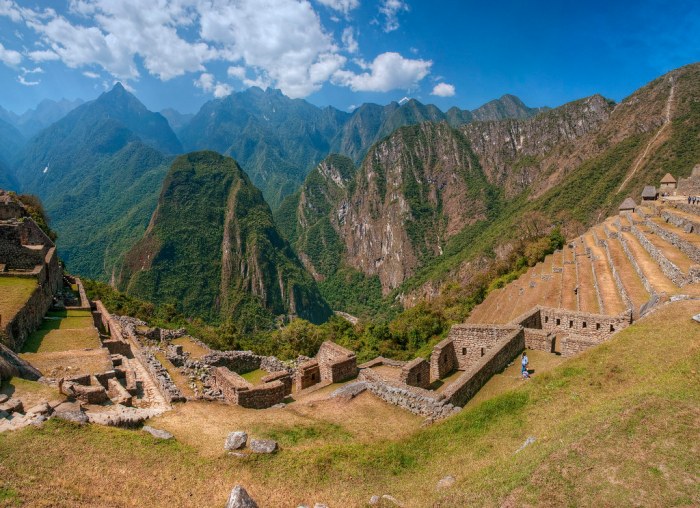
64,331
14,292
616,426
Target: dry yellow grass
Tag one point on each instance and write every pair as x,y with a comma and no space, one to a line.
191,347
49,341
616,426
14,292
70,363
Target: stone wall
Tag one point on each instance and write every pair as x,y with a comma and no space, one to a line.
308,374
472,342
416,373
633,261
538,339
336,363
15,255
16,330
237,390
616,276
597,327
684,246
237,361
494,361
688,225
282,376
573,344
167,386
443,359
414,399
669,269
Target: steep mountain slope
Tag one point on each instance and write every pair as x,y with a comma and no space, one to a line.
213,250
98,178
47,112
508,106
278,140
176,119
7,181
11,142
413,192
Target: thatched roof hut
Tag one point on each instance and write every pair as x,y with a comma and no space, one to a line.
628,205
649,193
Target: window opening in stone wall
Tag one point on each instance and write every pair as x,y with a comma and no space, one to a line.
583,325
418,377
597,326
612,328
546,319
558,321
571,324
313,377
482,351
464,351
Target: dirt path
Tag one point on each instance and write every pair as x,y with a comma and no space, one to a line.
652,142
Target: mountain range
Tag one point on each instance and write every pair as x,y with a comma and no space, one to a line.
384,204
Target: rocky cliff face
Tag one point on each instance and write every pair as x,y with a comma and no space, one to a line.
516,154
412,193
212,249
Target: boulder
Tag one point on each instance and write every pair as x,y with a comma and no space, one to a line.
446,482
4,398
160,434
42,408
374,500
263,446
72,416
239,498
235,440
12,406
349,391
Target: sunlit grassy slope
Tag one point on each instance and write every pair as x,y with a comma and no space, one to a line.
616,426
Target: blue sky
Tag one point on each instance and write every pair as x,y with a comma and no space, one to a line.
181,53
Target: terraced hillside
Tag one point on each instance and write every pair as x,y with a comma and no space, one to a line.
630,261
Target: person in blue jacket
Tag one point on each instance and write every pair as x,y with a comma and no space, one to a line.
525,362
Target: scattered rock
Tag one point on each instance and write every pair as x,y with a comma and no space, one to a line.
236,440
446,482
72,416
349,391
239,455
4,398
278,406
239,498
696,317
66,406
320,505
263,446
374,500
158,433
391,499
527,443
12,405
40,409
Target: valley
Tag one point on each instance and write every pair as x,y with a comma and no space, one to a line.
329,307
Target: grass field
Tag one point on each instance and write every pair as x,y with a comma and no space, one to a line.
14,292
64,331
616,426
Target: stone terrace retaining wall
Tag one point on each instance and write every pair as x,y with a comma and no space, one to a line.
687,248
416,373
237,390
472,342
688,225
616,276
496,359
670,270
633,261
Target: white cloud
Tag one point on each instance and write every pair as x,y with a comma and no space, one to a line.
389,71
9,56
43,55
208,83
91,75
443,90
280,43
344,6
390,10
23,80
349,41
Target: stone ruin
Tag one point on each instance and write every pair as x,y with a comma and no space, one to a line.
333,364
